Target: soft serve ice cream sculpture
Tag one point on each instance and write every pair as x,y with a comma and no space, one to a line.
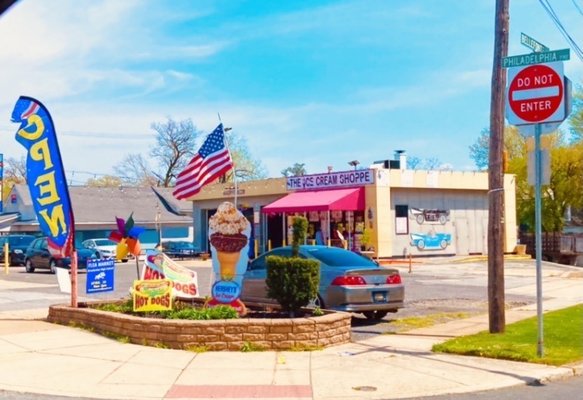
229,235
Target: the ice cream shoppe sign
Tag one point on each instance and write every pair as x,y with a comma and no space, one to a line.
229,233
330,180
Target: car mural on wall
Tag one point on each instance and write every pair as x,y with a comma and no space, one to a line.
422,215
430,241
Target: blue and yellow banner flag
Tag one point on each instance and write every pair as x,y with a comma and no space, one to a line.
45,174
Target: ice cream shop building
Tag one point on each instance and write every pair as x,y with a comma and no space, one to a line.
385,210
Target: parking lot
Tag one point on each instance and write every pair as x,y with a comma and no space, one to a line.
440,285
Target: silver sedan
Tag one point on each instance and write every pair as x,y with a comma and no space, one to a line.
348,281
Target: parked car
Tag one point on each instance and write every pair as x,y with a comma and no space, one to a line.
17,245
38,257
179,249
106,248
348,281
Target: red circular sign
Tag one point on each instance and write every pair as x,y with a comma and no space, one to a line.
535,93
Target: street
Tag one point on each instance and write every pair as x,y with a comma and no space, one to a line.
434,286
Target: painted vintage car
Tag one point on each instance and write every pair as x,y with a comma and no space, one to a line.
422,215
430,241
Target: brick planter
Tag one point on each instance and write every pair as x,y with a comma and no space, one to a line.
230,334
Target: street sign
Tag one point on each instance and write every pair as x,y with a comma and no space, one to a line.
532,44
528,130
535,94
536,58
550,127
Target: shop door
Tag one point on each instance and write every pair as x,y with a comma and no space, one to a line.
275,230
462,239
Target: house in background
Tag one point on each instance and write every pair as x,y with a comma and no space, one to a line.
95,210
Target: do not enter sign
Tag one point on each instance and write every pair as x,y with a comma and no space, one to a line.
536,94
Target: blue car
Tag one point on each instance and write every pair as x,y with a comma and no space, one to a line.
348,281
430,241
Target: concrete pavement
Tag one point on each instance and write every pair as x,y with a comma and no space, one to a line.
38,357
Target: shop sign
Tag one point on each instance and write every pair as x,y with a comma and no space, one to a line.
152,295
331,180
100,276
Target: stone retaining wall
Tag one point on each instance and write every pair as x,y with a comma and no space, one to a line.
231,334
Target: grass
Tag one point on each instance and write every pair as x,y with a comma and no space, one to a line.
406,324
562,340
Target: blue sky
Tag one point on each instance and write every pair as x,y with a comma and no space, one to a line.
314,82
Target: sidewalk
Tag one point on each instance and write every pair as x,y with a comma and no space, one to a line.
38,357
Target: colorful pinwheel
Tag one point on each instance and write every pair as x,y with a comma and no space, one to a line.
126,237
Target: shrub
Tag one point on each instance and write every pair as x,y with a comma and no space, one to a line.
292,281
299,229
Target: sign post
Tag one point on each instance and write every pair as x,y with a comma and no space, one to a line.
537,95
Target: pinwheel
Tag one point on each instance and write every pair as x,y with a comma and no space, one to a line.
126,237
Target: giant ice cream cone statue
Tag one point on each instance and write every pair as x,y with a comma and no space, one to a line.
229,235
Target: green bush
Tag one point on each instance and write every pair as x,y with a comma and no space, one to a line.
299,229
292,281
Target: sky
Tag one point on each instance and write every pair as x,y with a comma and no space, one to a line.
315,82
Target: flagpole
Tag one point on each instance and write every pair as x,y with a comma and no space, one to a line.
225,130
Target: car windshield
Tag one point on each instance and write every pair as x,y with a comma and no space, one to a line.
20,240
336,257
105,242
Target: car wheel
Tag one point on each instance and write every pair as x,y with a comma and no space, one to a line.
442,219
443,244
53,266
28,266
317,302
375,315
420,219
421,244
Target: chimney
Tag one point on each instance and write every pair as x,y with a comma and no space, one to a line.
401,155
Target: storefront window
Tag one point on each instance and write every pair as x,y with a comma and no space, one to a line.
401,219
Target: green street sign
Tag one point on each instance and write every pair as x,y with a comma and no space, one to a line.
536,58
532,44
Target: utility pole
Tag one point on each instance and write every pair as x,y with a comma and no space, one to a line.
496,174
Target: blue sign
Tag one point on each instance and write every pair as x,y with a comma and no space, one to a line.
226,291
100,276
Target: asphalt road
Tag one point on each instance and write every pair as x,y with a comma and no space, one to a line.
441,286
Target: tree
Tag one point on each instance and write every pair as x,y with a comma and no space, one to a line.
15,170
105,181
175,146
576,119
247,168
295,170
414,162
134,170
565,188
513,145
14,173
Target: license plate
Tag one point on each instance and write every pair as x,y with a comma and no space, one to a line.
379,297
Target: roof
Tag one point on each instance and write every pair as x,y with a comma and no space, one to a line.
103,204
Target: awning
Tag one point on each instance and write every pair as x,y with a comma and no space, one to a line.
322,200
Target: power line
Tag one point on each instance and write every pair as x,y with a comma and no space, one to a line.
577,7
554,17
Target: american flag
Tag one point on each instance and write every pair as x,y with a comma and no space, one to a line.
212,161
